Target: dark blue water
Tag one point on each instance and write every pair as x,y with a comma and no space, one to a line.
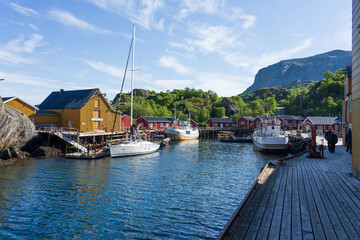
187,191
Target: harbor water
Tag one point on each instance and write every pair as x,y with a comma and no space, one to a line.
188,190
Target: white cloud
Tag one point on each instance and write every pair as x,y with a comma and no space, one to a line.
182,14
207,6
22,45
238,13
172,62
23,10
212,38
108,69
182,46
267,58
67,18
142,12
11,52
145,16
223,84
34,27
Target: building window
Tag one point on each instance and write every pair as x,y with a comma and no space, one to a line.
69,123
226,125
151,125
167,125
242,122
97,103
215,125
161,124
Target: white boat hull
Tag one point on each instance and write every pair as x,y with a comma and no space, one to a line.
270,144
181,134
133,148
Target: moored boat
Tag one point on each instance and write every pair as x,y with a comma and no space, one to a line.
136,146
182,131
227,136
269,137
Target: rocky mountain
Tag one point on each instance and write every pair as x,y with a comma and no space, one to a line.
301,69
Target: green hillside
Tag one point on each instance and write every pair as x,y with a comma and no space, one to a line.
321,98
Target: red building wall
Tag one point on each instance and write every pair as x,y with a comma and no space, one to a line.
256,123
142,123
246,123
125,122
225,125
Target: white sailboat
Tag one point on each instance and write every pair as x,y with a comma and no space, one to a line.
136,146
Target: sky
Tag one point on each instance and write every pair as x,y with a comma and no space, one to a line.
216,45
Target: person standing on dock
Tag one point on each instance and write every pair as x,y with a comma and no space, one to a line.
348,137
328,137
88,149
333,140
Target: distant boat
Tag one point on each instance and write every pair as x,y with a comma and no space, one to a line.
182,130
227,136
269,138
136,146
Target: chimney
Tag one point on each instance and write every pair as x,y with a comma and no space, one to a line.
61,91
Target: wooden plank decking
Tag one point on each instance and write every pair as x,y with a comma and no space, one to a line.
303,199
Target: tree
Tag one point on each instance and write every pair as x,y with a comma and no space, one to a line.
204,115
218,112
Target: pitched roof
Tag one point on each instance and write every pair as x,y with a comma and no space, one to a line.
68,99
221,120
248,118
7,99
156,119
322,120
291,117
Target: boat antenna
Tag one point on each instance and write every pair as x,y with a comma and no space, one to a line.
121,90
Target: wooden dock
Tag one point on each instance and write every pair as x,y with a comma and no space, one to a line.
302,199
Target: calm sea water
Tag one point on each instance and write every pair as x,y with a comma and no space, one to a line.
187,191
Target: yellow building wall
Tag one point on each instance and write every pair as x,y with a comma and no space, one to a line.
46,118
21,106
97,107
355,114
69,117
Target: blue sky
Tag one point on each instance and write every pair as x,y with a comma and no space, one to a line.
214,45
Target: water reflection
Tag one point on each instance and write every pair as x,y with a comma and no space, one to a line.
187,190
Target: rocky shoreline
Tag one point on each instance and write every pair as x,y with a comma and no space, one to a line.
18,138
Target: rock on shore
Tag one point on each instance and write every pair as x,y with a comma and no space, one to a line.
16,129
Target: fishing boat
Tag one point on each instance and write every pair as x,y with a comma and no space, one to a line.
228,136
182,131
136,145
269,138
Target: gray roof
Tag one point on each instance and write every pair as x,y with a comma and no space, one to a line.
248,118
156,119
67,99
322,120
291,117
222,120
6,98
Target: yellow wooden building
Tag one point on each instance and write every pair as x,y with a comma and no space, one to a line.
85,110
20,105
355,88
346,101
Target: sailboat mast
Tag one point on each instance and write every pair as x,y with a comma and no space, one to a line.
132,78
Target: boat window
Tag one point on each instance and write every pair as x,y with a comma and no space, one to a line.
273,127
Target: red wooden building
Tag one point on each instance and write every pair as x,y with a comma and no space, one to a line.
245,122
322,124
220,123
256,123
289,121
125,122
157,123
